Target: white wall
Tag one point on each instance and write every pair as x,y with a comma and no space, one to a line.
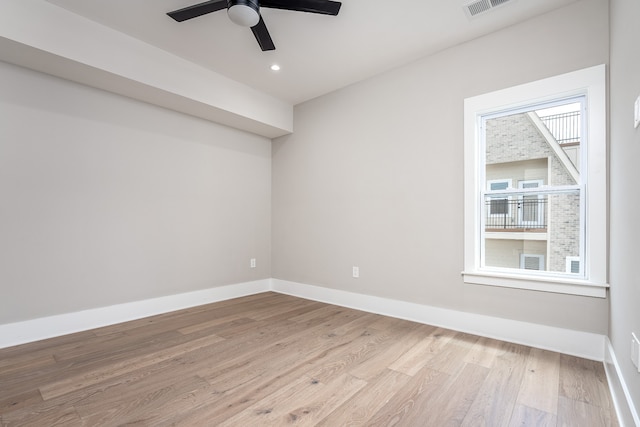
373,175
624,195
106,200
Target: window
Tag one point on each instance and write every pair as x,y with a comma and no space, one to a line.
531,208
535,185
498,206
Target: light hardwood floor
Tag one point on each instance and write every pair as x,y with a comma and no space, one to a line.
272,359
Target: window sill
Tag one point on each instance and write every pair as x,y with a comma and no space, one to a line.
543,284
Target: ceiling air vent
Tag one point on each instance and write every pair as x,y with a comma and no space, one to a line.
478,7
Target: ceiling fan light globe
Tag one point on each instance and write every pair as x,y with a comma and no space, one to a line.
244,14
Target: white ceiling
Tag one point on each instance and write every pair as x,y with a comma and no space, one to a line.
317,53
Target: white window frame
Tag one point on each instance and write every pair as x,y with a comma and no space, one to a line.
591,83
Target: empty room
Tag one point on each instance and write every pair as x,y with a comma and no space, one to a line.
311,212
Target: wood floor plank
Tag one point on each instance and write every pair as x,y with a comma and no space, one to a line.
190,315
64,415
213,323
451,404
412,401
451,358
80,381
359,409
524,416
44,346
503,379
285,310
19,401
296,350
417,356
584,380
235,327
304,403
485,352
96,344
352,347
391,351
578,413
267,311
318,315
541,381
17,365
221,401
109,407
273,359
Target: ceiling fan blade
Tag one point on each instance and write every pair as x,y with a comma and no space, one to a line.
262,36
198,10
325,7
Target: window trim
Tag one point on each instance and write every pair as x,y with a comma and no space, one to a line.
590,82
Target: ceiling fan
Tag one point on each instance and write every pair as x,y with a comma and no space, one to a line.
247,13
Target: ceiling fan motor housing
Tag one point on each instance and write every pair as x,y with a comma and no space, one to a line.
244,12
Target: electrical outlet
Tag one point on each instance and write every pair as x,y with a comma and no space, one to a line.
635,351
252,263
356,272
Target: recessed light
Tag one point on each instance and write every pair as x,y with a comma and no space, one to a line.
275,67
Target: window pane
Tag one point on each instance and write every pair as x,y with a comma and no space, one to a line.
528,226
534,148
538,232
531,210
499,206
501,185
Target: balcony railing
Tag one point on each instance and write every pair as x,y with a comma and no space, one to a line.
564,127
518,213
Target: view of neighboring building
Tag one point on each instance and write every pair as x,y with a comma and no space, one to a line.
532,202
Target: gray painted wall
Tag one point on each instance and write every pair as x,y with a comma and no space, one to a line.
624,173
105,200
373,174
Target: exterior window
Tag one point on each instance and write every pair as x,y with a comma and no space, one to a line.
535,185
532,208
498,206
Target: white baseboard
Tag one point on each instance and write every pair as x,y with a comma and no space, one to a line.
577,343
625,409
52,326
